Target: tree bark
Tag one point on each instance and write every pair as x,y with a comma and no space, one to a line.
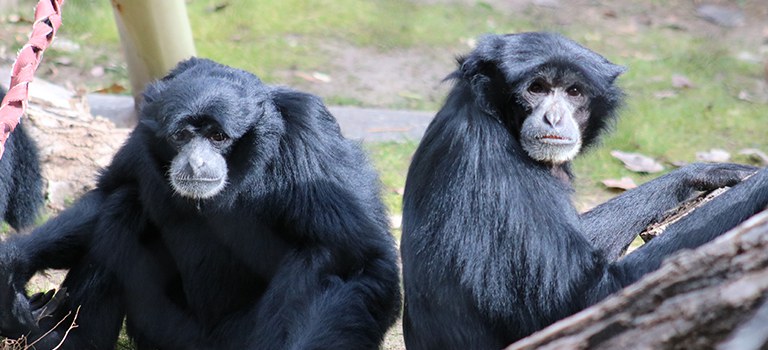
713,297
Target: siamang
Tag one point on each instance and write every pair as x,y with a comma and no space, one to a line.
492,247
235,216
21,182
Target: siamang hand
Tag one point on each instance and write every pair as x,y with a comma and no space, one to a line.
711,176
15,311
25,313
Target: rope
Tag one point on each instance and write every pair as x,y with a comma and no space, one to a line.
47,21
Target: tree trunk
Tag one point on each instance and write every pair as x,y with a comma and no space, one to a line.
711,297
155,36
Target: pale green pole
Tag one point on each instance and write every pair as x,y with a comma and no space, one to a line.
155,36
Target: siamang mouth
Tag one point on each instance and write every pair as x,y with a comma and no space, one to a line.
199,180
555,139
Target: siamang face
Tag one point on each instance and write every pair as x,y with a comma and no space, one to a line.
199,169
196,115
557,106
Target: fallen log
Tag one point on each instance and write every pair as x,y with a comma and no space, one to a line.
711,297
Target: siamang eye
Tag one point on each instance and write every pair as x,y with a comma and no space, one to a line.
218,137
573,91
537,88
182,136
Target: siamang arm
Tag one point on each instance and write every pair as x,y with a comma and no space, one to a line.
57,244
700,226
301,310
613,225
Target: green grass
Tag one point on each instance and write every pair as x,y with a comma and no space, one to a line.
264,36
391,159
697,119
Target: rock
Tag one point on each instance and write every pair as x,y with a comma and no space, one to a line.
721,15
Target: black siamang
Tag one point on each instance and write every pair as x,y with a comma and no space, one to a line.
21,183
236,216
492,247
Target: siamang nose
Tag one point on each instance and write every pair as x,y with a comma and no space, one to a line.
553,119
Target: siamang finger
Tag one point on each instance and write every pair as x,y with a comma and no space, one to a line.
718,175
22,313
39,300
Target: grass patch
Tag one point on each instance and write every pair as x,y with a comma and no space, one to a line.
391,160
266,36
709,115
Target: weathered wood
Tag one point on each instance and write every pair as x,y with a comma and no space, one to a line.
74,145
696,300
678,213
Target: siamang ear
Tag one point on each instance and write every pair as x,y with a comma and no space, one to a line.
480,69
151,124
153,91
615,71
148,110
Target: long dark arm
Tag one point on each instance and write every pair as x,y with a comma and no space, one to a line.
613,225
701,226
61,241
58,244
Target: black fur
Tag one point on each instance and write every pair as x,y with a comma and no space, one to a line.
21,182
492,248
294,253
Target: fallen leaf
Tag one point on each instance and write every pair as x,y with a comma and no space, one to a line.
681,82
325,78
755,154
113,89
664,94
714,155
625,183
637,162
744,95
315,77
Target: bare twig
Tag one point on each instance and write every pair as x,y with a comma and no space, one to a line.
72,326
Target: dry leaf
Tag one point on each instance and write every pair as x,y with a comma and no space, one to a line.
637,162
744,95
755,154
315,77
625,183
113,89
714,155
322,77
664,94
681,82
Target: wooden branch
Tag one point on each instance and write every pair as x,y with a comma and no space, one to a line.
696,300
678,213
